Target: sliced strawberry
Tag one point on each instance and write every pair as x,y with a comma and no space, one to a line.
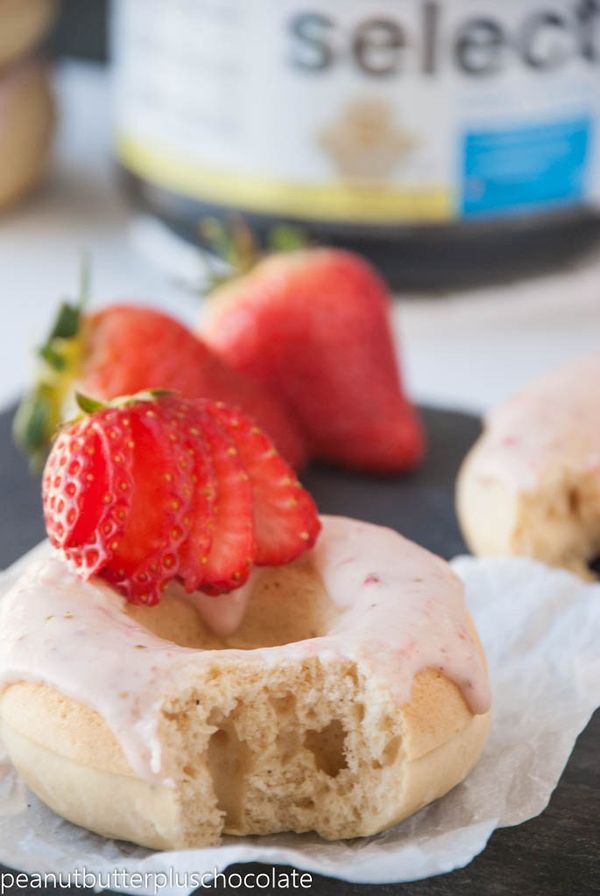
153,488
194,552
74,458
146,556
85,508
286,520
233,547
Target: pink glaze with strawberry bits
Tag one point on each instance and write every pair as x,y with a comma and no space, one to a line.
551,425
399,608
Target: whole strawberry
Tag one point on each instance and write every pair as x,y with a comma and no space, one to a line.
313,327
125,349
154,488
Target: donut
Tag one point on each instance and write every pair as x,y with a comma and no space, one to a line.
337,694
26,126
23,25
531,484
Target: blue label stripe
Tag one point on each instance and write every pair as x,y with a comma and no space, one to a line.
508,171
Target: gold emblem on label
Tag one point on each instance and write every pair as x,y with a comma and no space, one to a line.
365,142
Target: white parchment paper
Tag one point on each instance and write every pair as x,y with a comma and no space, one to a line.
541,631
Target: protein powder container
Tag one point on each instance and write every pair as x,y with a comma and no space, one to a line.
451,141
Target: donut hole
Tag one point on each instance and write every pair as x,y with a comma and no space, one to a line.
327,747
287,604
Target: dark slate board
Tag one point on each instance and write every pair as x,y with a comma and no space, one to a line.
556,854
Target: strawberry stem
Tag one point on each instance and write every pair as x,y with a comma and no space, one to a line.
40,412
90,405
144,395
236,244
286,238
68,319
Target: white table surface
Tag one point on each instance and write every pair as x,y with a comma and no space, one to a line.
466,350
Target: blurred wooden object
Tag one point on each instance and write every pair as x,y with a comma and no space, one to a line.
26,103
23,26
26,126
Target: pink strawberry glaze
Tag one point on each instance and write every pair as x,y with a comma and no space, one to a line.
551,425
400,610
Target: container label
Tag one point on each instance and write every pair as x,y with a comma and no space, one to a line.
363,111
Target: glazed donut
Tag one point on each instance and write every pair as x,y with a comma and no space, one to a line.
26,126
338,694
531,484
23,25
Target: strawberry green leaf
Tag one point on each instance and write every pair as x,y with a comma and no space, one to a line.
40,411
66,323
68,319
233,242
88,405
286,238
35,422
52,357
